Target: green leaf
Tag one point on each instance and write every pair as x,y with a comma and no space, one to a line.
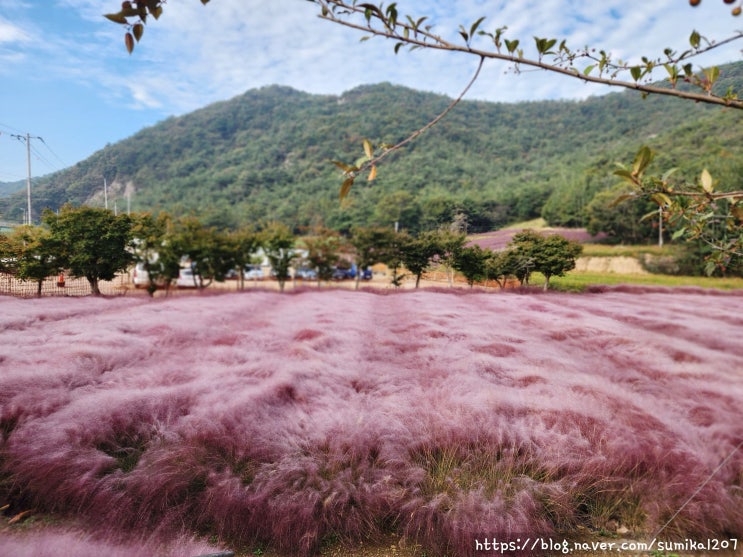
642,160
588,69
626,174
392,15
712,74
667,174
649,216
680,232
544,45
695,39
512,45
636,72
661,199
368,149
621,199
475,25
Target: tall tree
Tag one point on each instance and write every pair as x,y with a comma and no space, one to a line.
371,245
556,255
449,242
323,248
206,248
34,255
244,244
522,254
417,253
471,261
498,267
94,243
551,255
278,242
152,248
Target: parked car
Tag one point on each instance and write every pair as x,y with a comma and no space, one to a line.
305,273
341,273
253,272
140,276
186,278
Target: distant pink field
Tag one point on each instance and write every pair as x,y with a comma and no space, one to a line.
442,415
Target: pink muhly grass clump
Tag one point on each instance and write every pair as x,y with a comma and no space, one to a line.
51,543
446,417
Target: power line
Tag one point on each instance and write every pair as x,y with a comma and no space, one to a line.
11,128
53,153
40,157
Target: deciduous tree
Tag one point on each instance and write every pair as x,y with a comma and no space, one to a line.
372,245
417,254
206,248
556,255
278,242
324,248
244,243
471,262
94,243
151,247
33,255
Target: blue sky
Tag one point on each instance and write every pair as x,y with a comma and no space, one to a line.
66,77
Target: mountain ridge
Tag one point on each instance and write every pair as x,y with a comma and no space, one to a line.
264,155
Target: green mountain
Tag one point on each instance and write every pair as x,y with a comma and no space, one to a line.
265,155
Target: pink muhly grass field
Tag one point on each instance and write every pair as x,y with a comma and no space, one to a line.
445,416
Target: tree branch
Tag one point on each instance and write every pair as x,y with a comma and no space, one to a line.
412,35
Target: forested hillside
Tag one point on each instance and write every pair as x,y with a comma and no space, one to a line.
266,155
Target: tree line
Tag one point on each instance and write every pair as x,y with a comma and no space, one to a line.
97,244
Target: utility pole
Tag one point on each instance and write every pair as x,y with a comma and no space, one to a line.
27,138
28,177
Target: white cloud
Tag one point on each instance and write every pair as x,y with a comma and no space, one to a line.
10,33
196,55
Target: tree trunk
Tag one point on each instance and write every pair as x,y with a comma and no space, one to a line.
94,286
